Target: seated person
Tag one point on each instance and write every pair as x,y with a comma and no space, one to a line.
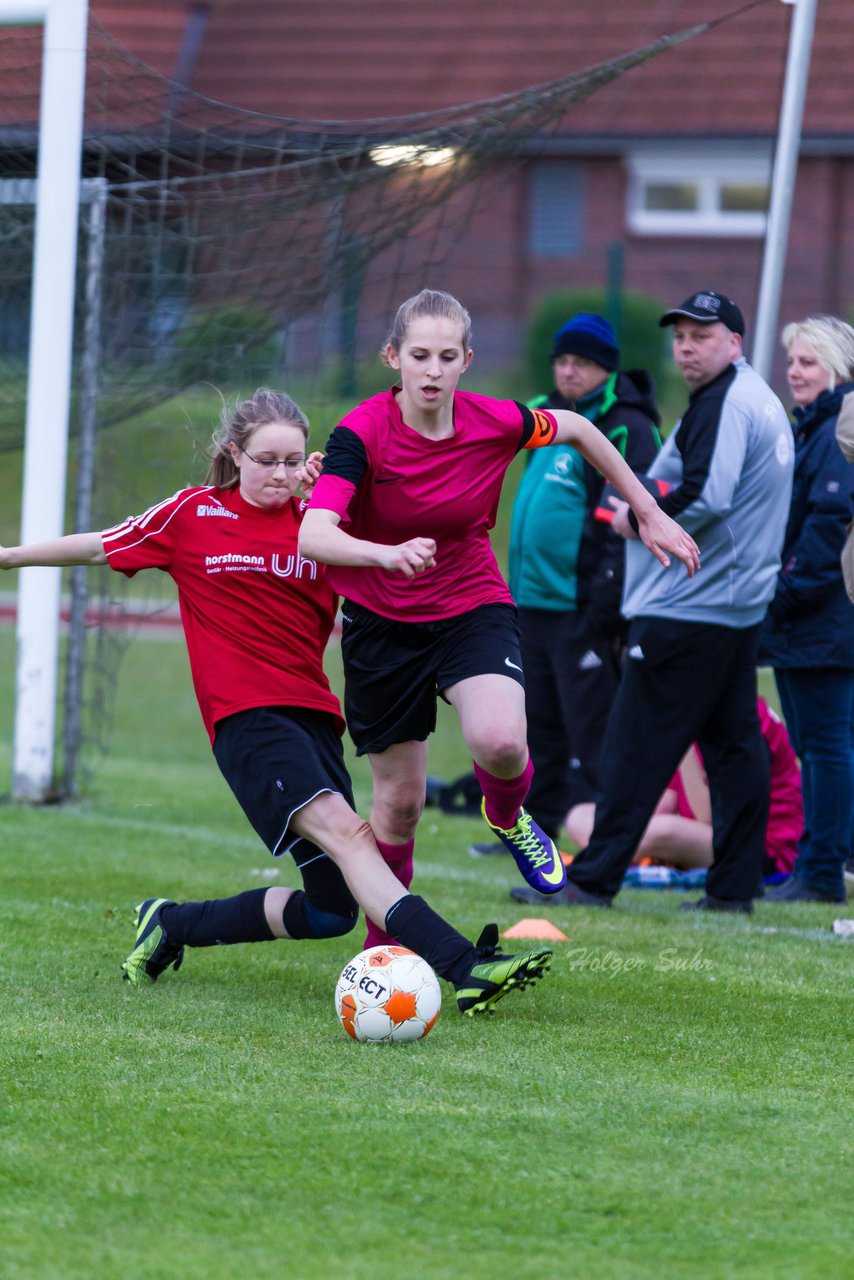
680,831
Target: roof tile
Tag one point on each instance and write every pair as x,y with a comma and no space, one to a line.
346,60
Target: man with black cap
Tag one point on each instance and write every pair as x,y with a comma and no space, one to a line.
690,672
566,569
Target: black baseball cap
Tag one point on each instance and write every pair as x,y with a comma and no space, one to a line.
706,307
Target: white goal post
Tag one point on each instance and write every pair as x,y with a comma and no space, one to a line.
49,377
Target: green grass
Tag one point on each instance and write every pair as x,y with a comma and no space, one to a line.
674,1101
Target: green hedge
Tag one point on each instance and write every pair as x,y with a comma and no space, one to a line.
228,343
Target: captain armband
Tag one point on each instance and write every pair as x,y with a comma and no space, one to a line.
543,428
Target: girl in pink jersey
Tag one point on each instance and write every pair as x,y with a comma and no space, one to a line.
402,512
256,618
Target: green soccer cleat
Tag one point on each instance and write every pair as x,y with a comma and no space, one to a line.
492,975
153,951
536,854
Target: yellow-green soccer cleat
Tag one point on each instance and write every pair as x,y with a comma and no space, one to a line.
153,951
492,975
535,853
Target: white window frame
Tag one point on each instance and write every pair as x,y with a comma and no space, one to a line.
707,168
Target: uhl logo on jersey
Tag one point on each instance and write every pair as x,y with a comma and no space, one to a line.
293,567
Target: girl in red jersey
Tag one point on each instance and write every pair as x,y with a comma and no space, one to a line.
402,512
257,616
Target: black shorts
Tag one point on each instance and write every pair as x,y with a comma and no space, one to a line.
394,671
276,760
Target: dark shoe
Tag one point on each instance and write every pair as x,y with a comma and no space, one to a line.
493,974
795,890
571,895
487,849
708,903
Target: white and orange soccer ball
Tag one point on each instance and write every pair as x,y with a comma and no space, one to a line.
387,994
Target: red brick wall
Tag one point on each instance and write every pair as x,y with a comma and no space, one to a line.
477,248
491,270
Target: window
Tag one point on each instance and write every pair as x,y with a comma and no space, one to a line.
704,191
555,225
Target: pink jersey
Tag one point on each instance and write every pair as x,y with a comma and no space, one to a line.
256,615
684,807
786,812
389,483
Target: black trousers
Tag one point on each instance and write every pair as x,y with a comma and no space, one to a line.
683,682
571,678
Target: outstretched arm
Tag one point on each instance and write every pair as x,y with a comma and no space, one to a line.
321,538
657,531
75,548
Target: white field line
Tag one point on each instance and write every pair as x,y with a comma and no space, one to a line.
211,837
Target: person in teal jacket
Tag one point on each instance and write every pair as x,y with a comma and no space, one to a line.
566,568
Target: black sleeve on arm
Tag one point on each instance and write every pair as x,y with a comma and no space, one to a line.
345,455
535,422
696,441
636,438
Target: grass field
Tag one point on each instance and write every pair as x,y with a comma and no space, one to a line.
674,1101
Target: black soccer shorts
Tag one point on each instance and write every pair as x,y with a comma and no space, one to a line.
394,671
276,760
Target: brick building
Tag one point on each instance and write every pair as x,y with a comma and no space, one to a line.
661,175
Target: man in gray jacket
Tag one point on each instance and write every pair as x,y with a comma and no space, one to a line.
690,672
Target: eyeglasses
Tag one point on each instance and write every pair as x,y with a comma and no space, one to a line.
270,464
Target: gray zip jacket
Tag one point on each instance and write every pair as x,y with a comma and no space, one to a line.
728,464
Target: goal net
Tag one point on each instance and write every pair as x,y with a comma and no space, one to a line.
221,248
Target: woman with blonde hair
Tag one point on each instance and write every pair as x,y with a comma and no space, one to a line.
808,636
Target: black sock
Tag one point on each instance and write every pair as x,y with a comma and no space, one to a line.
219,922
421,929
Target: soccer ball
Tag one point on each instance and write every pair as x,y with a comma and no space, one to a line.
387,994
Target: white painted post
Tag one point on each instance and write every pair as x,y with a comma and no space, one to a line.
49,380
783,184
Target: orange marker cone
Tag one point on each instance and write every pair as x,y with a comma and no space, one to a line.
530,928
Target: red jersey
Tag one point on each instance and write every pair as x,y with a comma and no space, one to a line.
390,483
256,614
786,809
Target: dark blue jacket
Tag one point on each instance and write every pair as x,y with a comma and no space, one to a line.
810,621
